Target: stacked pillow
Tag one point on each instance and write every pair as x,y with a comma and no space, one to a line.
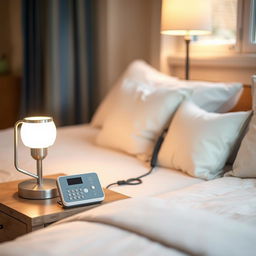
144,102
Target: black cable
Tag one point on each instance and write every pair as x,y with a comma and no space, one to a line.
131,181
153,162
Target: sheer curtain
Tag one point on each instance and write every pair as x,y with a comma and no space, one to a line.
58,59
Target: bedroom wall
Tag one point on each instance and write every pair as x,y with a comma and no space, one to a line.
126,30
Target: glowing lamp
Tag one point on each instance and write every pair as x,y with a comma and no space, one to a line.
186,18
37,133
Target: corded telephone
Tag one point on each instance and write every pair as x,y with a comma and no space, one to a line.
80,189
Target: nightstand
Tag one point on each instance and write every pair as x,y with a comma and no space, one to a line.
19,216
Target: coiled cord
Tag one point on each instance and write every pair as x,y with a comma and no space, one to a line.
131,181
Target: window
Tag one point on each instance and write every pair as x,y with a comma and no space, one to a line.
234,27
253,17
224,19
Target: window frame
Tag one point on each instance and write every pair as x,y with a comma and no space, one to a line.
245,27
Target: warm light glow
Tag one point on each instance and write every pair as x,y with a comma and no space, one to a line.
39,133
185,32
186,17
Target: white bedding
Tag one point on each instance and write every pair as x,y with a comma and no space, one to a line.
189,217
141,226
231,197
75,152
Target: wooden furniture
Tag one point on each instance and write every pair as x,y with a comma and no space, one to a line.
19,216
245,101
9,100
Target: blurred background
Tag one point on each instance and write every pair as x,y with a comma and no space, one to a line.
61,57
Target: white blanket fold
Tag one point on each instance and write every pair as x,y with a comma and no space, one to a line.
147,226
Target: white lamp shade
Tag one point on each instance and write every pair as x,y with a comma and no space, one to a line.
186,17
38,133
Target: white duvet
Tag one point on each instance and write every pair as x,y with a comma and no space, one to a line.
142,226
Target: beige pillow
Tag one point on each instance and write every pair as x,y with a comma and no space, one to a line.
140,115
198,142
245,162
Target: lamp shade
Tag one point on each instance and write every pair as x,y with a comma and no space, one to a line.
38,132
186,17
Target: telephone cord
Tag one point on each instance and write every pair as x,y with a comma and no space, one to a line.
131,181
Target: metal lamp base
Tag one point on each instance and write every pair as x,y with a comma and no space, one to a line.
31,190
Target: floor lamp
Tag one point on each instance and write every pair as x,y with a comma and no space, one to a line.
186,18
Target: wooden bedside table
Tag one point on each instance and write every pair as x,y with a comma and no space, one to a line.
19,216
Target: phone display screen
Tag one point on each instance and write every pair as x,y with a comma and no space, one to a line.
74,181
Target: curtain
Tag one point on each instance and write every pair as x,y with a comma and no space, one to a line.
58,59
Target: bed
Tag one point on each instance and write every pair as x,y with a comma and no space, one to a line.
170,213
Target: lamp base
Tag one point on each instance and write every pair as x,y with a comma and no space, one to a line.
29,189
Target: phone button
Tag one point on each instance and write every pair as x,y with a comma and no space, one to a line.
86,190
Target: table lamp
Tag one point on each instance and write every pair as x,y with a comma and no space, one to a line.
186,18
37,133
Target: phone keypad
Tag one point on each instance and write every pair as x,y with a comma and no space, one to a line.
77,194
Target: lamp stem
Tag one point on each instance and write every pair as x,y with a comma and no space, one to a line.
39,172
39,154
187,41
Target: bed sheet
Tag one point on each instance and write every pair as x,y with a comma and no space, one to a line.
75,152
231,197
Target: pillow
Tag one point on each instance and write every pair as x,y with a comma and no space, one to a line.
139,71
214,96
211,96
245,162
199,143
141,114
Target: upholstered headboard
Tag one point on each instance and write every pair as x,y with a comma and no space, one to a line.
245,101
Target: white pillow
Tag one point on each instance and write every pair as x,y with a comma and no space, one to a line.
138,71
211,96
214,96
198,142
141,114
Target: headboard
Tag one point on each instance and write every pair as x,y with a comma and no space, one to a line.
245,101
